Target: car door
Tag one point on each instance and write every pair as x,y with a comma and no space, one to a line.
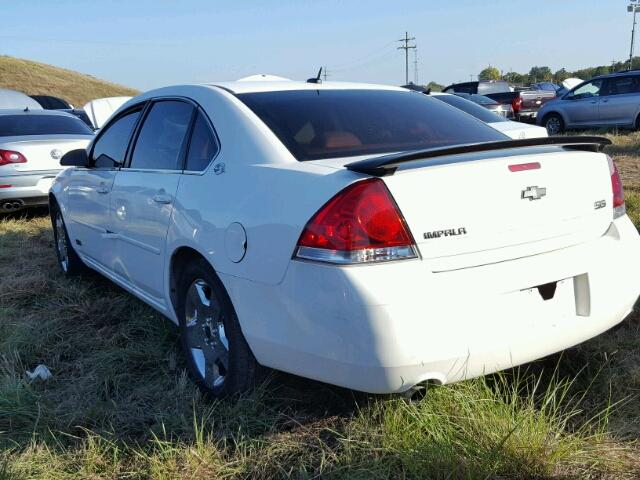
620,103
89,188
581,106
143,196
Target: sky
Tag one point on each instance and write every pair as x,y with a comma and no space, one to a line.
151,43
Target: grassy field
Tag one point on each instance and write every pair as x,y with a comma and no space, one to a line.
121,406
35,78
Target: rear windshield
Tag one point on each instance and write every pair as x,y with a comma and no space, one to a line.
317,124
493,87
16,125
481,113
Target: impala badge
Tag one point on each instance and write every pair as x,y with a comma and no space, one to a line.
534,193
56,154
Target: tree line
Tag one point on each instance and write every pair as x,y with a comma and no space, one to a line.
545,74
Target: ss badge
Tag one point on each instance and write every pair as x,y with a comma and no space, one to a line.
600,204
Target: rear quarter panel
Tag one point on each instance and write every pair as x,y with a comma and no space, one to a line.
263,188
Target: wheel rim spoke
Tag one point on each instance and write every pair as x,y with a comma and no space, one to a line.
61,243
205,334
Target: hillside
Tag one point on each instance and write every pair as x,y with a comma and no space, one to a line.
39,78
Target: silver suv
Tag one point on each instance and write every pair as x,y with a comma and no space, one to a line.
608,100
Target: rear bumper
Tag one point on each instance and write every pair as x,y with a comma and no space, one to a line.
28,189
384,328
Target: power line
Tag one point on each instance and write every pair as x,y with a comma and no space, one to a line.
364,58
406,47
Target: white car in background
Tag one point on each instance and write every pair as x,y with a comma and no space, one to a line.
361,235
32,143
516,130
100,109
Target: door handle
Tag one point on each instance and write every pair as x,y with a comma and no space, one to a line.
605,100
593,101
162,198
102,189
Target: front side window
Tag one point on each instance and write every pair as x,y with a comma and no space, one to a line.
162,136
318,124
111,146
591,89
36,124
203,146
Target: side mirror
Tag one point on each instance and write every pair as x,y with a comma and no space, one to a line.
75,158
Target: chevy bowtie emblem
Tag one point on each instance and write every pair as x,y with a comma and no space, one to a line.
534,193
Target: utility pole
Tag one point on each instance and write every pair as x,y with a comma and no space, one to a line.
325,73
632,8
406,47
415,66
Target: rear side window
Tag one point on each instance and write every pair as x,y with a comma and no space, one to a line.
203,146
622,85
318,124
162,136
111,146
16,125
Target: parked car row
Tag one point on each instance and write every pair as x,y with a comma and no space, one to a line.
525,104
35,132
361,235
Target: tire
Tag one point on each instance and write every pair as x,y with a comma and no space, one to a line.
553,123
68,260
217,354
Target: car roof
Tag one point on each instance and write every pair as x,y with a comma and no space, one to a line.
245,86
14,99
15,111
625,73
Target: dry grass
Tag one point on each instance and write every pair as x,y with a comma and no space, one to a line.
35,78
120,404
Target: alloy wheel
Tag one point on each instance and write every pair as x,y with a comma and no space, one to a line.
61,242
553,125
205,334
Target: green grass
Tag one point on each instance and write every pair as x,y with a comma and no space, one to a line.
121,406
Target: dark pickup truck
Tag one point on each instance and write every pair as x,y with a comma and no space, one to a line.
525,104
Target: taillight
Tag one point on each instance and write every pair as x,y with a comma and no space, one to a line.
360,224
619,207
8,157
516,104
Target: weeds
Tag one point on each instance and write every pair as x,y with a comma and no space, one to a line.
120,404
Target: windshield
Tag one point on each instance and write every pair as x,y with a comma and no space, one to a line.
471,108
18,125
318,124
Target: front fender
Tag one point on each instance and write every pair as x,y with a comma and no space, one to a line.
58,189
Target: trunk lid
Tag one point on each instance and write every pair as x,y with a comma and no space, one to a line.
470,211
42,153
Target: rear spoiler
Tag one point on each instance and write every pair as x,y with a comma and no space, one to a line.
387,164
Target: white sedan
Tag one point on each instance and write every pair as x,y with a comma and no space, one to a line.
361,235
517,130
